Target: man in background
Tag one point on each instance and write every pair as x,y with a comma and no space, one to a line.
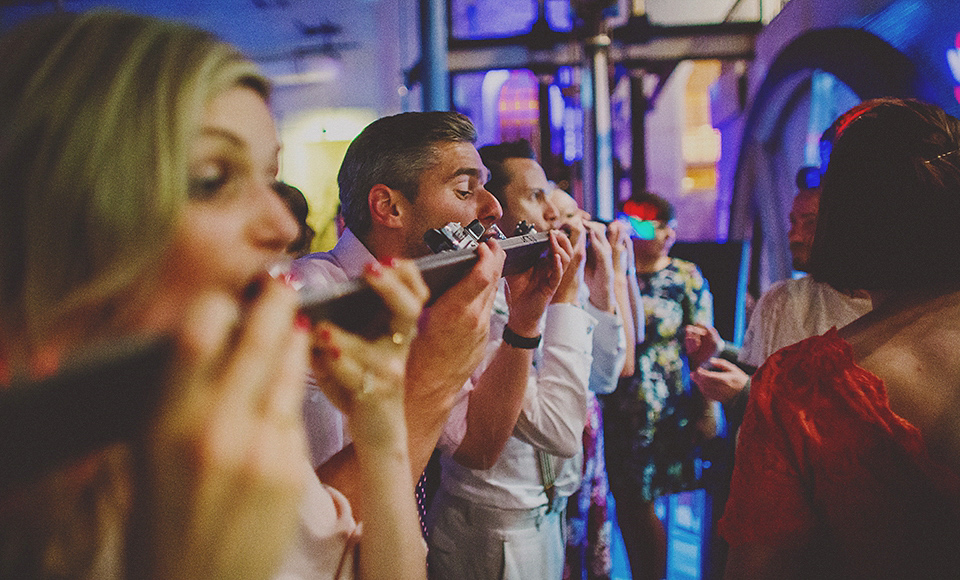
505,519
791,310
402,176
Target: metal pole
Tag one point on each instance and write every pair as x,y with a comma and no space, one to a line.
588,167
638,133
433,55
604,127
546,127
598,141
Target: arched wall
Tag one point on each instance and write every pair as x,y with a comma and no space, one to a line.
771,149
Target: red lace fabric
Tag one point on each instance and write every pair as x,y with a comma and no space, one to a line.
823,462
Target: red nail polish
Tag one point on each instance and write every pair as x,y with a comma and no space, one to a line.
389,261
325,335
334,352
374,268
302,321
282,277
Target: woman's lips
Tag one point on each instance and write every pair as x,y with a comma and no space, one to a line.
252,289
279,270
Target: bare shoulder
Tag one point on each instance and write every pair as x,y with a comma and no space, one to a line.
914,353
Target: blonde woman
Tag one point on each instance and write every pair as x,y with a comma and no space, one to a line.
137,160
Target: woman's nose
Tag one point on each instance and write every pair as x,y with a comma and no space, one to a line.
275,226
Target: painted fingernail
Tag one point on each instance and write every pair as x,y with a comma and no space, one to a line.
302,321
389,261
374,269
334,352
281,271
325,335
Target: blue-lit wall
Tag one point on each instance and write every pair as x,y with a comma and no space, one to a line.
927,32
899,47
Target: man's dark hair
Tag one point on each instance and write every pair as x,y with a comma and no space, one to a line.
395,151
494,156
890,199
663,209
297,203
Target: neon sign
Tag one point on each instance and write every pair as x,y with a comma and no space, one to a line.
953,59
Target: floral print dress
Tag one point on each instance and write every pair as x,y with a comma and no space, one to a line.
652,444
588,527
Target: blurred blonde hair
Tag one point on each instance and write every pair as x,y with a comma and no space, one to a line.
97,111
97,115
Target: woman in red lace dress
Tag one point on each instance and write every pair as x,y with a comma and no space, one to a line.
848,462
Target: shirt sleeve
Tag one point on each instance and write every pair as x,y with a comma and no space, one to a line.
701,299
327,535
555,403
609,351
325,424
455,429
757,341
768,500
317,270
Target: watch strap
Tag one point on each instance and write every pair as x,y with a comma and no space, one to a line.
516,341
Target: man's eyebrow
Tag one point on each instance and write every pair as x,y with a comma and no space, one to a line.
469,171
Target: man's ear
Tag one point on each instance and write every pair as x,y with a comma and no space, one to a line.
386,206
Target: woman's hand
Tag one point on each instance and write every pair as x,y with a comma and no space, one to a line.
599,271
363,376
220,475
701,343
720,380
618,234
366,380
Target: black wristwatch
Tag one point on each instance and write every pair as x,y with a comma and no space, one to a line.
516,341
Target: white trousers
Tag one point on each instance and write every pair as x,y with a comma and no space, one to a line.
468,541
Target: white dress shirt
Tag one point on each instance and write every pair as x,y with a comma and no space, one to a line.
326,426
552,418
792,310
